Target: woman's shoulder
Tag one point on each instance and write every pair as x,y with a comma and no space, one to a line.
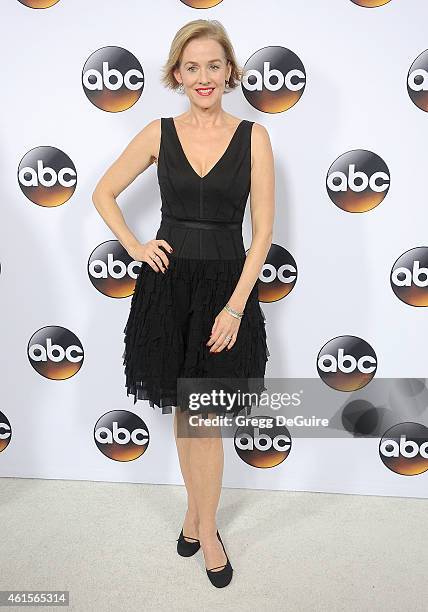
149,137
259,131
260,141
153,124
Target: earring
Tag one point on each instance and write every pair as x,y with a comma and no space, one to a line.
226,84
180,88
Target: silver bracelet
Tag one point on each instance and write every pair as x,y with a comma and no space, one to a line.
234,313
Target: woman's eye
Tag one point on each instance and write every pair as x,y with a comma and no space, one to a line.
212,66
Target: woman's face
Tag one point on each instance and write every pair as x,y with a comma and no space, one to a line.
204,68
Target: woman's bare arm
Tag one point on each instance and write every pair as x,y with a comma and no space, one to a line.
139,154
262,204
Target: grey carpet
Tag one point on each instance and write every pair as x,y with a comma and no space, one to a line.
112,545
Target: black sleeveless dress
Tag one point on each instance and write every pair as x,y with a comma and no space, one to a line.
172,313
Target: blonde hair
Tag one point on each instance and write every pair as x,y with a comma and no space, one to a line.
199,28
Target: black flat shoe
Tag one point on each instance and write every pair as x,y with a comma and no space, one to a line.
185,548
223,577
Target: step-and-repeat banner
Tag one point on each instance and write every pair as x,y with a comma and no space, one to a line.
343,93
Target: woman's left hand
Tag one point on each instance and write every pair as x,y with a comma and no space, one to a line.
224,332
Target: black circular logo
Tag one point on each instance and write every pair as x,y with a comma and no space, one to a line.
55,352
346,363
358,181
262,446
404,449
278,275
417,81
5,431
113,79
112,271
47,176
274,79
409,277
121,435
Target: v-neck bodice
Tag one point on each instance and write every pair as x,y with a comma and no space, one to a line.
220,159
202,215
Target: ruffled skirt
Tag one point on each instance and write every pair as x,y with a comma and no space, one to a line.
170,321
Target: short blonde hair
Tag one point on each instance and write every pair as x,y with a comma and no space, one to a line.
199,28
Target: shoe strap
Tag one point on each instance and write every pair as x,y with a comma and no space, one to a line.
213,568
187,537
227,559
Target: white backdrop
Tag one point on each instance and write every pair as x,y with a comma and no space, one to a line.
356,62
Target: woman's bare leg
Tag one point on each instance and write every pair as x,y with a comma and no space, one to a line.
190,524
206,461
201,460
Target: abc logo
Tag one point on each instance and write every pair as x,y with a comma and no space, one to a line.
277,276
55,352
5,431
370,3
274,79
417,81
112,79
262,447
409,277
47,176
346,363
404,449
112,271
121,435
201,4
38,4
358,181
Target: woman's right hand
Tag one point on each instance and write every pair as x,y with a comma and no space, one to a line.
151,253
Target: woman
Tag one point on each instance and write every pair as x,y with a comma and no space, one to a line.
195,278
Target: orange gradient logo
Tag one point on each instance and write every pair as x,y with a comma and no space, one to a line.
358,181
277,276
38,4
55,352
5,431
262,447
121,435
201,4
409,277
370,3
47,176
274,79
346,363
112,271
404,449
112,79
417,81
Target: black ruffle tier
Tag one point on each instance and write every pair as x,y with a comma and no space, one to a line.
161,345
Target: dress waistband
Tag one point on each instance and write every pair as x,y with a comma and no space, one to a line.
199,223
